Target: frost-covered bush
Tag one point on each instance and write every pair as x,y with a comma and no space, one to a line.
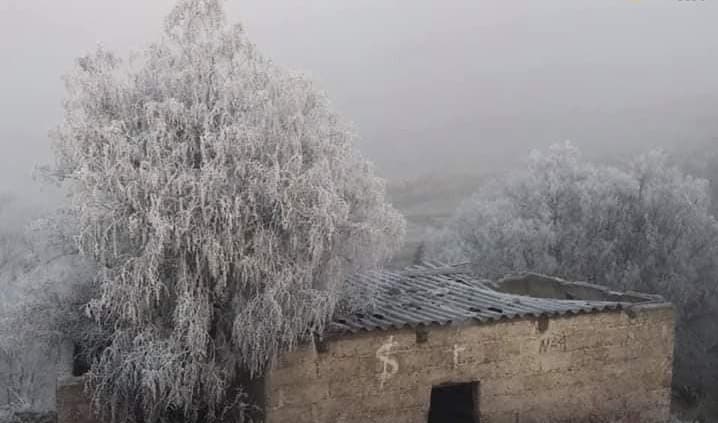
223,201
42,294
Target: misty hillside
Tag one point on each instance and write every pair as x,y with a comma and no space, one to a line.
427,202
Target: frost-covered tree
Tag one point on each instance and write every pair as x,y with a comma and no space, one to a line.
702,160
223,201
645,226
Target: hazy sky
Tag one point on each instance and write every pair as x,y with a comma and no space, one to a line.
431,85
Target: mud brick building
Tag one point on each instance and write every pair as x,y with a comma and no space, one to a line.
442,347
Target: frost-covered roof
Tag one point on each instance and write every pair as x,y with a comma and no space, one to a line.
442,295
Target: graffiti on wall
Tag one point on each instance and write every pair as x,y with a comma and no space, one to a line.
390,366
553,343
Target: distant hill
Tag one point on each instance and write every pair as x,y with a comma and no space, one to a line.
427,202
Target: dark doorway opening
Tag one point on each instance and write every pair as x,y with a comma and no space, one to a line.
455,403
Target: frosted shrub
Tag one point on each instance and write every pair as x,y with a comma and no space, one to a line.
42,292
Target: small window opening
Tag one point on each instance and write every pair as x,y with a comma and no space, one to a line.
455,403
542,324
422,334
320,344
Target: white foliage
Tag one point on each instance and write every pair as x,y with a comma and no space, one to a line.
42,292
224,202
644,227
647,226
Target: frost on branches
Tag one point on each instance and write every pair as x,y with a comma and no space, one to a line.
645,226
224,202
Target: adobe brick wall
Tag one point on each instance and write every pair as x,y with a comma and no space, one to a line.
612,366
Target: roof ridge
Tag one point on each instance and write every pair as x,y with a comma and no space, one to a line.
446,269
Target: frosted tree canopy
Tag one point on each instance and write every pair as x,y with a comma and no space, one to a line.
644,226
224,202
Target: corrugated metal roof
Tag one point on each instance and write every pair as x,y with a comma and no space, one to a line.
441,295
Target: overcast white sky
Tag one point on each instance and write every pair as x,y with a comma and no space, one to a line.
431,85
